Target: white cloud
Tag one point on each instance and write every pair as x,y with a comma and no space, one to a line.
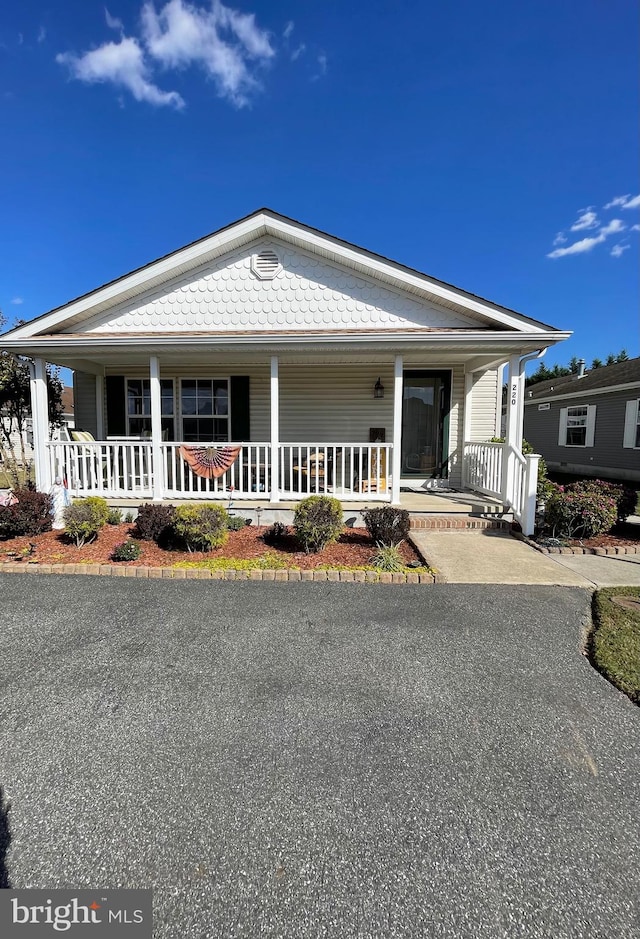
625,202
578,247
635,228
588,219
560,239
295,55
618,250
322,62
42,34
121,63
17,301
113,22
615,225
222,41
288,29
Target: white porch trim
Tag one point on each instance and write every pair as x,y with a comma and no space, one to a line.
274,388
396,457
156,427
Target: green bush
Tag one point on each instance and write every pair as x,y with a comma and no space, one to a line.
276,534
29,515
126,551
624,496
317,522
388,558
201,527
155,521
114,517
235,523
85,518
576,511
386,525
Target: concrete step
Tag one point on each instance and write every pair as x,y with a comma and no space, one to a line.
457,522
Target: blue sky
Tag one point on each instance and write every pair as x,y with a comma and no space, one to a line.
494,145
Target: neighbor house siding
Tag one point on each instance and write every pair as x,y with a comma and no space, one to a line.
84,396
606,457
483,410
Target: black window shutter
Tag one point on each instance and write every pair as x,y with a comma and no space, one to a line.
240,419
116,406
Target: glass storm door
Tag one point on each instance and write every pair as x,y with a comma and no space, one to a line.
426,402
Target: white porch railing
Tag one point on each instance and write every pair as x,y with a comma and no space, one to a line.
124,468
503,472
103,468
358,472
247,478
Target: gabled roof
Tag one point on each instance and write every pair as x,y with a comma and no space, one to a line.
266,223
607,376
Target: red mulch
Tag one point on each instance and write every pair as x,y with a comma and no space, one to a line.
354,549
626,533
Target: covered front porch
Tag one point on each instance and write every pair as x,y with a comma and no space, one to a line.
279,395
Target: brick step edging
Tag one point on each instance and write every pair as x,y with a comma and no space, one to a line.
171,573
457,523
613,551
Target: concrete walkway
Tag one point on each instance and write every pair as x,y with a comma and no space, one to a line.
494,557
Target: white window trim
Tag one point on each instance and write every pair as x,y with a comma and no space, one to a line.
590,427
130,417
180,416
631,421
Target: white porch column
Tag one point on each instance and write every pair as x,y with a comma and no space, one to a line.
156,429
513,431
99,407
40,424
466,422
396,459
275,429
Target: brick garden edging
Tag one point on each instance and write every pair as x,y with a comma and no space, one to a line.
600,552
176,573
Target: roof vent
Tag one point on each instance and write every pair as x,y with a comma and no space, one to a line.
266,264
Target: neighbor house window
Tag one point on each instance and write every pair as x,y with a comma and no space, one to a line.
632,425
204,409
139,407
577,426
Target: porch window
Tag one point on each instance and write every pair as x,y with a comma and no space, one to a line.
577,426
204,409
139,408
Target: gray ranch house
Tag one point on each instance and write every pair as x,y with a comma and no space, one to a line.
272,360
588,424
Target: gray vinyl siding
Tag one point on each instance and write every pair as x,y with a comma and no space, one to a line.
541,430
84,396
484,394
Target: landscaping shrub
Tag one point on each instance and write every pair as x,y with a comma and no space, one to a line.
386,525
388,558
126,551
84,519
624,496
155,521
114,517
236,523
29,515
201,527
128,517
317,522
276,534
572,512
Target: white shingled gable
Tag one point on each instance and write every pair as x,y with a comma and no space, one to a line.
302,292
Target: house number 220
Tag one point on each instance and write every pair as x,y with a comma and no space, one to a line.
514,394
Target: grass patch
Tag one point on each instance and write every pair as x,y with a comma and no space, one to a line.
614,643
267,562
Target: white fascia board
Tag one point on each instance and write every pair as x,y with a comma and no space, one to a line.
420,282
629,386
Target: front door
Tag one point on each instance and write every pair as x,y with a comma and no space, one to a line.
426,402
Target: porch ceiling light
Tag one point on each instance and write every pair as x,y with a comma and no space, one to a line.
378,391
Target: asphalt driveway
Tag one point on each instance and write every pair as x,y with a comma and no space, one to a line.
320,760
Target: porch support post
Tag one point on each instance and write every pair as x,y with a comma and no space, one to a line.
466,423
40,424
99,407
513,433
275,429
156,428
396,459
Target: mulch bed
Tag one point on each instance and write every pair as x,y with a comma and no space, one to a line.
354,549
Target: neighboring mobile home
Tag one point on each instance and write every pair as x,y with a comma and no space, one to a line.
588,425
312,364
